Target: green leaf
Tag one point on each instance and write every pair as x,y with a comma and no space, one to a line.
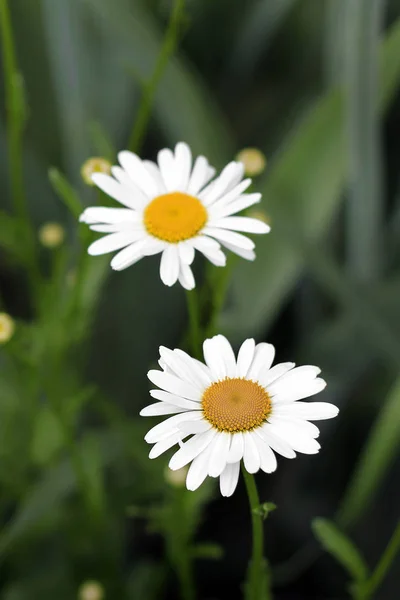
65,192
302,193
341,548
265,509
10,236
48,438
93,465
377,455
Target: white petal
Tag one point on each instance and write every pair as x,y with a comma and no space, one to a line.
181,366
213,254
218,211
137,199
169,170
138,173
219,454
268,377
190,427
173,384
112,242
246,254
192,448
228,178
175,400
230,237
199,371
298,383
163,429
231,196
154,246
263,358
130,255
276,443
219,357
160,408
237,448
101,214
300,425
186,277
251,457
268,462
312,411
201,175
229,479
154,171
241,224
186,252
295,438
245,357
183,162
169,266
175,438
198,469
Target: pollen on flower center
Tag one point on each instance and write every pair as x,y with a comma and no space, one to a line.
175,217
236,405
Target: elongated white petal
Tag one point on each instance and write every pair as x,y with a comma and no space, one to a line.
312,411
169,266
186,277
198,470
275,442
182,367
268,462
198,370
160,408
229,197
245,224
158,432
137,199
100,214
245,357
112,242
183,162
228,178
273,374
218,211
175,400
229,479
191,449
237,448
201,175
175,438
186,252
219,356
173,384
295,438
190,427
243,253
219,454
116,190
213,253
138,173
155,173
251,457
130,255
298,425
263,358
231,237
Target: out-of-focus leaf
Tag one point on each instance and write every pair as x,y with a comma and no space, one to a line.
65,192
210,551
183,107
101,142
262,21
341,548
10,236
146,581
301,193
378,453
93,466
47,438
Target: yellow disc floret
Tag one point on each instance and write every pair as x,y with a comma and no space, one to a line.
236,405
175,217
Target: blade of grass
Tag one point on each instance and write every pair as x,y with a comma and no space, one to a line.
365,241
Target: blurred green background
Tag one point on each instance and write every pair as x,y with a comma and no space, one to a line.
315,85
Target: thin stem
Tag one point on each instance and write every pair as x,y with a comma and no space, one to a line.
194,322
219,287
257,587
385,562
16,113
150,87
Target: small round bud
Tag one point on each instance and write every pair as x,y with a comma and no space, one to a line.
51,235
176,478
96,164
91,590
257,213
254,161
7,328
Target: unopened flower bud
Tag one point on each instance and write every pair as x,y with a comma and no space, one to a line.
7,328
96,164
51,235
91,590
254,161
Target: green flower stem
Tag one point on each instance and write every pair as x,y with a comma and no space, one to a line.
194,322
218,282
16,115
150,87
384,563
257,586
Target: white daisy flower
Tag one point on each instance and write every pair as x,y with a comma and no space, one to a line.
234,409
173,207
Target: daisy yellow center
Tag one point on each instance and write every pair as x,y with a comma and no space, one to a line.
175,217
236,405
